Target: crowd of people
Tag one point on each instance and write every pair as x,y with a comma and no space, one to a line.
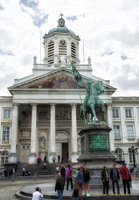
83,177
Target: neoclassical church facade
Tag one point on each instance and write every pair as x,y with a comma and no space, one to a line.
42,115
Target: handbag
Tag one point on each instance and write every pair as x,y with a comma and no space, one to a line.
130,180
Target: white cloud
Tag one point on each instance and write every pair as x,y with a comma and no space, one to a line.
109,29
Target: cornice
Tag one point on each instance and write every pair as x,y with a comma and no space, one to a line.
125,99
6,99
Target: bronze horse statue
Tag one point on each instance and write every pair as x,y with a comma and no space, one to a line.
93,102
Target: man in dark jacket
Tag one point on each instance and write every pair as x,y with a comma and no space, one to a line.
63,172
105,180
114,176
59,187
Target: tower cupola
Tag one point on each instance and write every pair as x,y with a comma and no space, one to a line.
61,45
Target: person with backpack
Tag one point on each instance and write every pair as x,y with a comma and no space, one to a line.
80,180
126,177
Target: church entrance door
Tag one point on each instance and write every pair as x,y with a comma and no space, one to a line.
65,152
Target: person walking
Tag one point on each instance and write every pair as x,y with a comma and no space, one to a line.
37,195
63,172
58,158
114,176
45,158
80,180
38,160
86,181
126,177
59,187
105,180
13,174
69,174
23,171
3,174
53,159
57,169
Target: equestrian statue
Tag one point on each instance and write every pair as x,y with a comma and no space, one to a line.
92,102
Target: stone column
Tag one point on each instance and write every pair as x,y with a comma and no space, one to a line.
13,155
74,151
52,143
110,124
33,149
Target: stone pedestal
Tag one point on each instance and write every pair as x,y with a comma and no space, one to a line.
95,151
95,147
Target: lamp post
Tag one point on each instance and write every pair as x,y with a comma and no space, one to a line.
133,150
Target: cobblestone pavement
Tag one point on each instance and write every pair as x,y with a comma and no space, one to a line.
9,188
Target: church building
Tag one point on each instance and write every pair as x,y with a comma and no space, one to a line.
42,115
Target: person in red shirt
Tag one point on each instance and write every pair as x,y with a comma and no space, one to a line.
125,174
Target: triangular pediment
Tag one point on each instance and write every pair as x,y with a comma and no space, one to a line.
57,79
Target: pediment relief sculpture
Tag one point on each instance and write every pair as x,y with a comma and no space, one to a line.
59,82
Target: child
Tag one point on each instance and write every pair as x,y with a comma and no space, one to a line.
75,195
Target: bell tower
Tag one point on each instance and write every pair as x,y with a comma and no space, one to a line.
61,45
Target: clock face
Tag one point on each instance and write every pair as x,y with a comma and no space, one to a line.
62,42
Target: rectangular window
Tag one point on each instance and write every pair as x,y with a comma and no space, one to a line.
128,113
116,129
130,132
7,114
115,113
5,133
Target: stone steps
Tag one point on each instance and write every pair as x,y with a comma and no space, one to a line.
50,169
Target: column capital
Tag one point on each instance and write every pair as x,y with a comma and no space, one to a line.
109,104
73,105
52,104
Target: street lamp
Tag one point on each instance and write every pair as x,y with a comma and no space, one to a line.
133,150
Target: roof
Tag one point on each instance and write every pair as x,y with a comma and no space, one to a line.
61,28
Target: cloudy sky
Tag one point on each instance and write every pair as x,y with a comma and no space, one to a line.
109,29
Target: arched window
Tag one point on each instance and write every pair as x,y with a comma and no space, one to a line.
120,154
51,52
62,51
73,52
4,158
